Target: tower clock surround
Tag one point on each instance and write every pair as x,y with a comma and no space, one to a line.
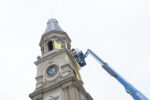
55,75
52,70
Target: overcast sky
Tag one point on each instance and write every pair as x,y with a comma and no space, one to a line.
116,30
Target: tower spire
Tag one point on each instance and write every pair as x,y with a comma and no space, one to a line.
52,25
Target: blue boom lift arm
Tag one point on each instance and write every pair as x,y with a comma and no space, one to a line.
80,59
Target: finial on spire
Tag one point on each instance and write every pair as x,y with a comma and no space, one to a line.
51,8
51,11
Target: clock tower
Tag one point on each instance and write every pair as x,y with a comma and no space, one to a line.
57,76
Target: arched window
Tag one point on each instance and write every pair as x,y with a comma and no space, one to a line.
50,45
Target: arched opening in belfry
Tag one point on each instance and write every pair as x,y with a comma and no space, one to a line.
50,45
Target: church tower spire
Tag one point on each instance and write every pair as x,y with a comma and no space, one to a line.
53,34
52,25
57,75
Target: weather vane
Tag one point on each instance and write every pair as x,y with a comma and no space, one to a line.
51,8
51,11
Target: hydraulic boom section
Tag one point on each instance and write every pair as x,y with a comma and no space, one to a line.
80,59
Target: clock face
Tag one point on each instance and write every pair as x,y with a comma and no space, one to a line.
52,70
